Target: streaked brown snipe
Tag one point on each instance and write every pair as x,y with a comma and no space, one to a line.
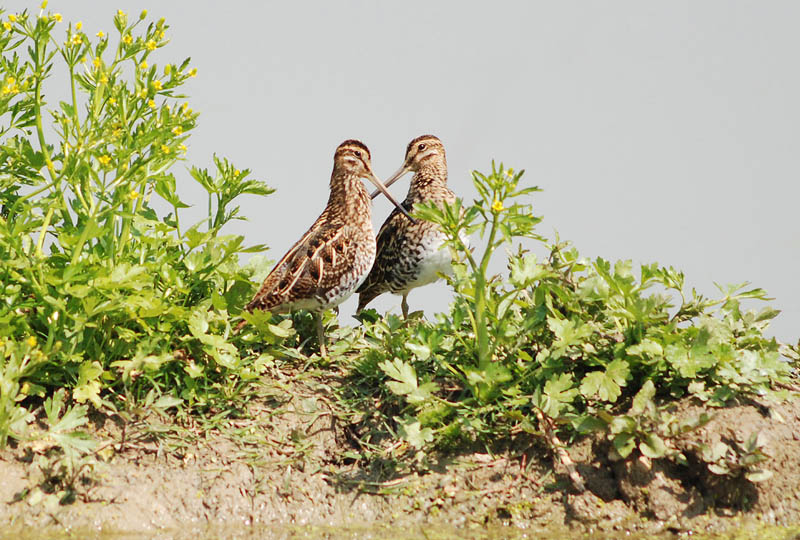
334,257
411,254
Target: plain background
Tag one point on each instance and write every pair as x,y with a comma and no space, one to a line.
660,131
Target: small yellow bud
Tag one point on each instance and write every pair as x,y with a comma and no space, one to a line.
151,45
167,69
104,160
142,93
104,79
101,34
497,206
165,148
120,13
193,72
57,17
151,103
44,5
177,130
7,25
143,14
236,172
510,173
127,40
133,195
157,85
143,65
112,101
31,341
12,18
182,148
96,62
78,25
76,39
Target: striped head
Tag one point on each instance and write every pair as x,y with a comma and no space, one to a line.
423,150
353,159
426,151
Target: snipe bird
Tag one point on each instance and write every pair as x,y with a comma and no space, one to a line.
334,257
411,253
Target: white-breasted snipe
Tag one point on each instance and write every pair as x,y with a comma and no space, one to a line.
411,253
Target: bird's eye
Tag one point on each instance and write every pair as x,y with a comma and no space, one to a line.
421,147
358,154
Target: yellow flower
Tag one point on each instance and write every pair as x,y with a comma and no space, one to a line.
127,40
120,13
497,206
142,93
78,25
112,101
151,45
143,65
165,148
96,62
12,18
182,148
76,39
510,173
101,34
57,17
151,103
31,341
161,35
104,160
133,195
184,107
157,85
237,172
177,130
104,79
7,25
193,72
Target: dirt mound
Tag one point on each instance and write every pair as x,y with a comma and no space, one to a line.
290,461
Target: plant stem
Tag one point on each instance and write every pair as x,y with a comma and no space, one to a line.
42,233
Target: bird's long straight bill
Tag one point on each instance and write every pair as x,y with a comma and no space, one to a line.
382,189
392,179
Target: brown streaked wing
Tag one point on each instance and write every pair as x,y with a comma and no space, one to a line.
308,270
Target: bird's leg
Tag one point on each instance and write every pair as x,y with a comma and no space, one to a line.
404,306
320,334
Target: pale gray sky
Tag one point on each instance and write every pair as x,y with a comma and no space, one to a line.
660,131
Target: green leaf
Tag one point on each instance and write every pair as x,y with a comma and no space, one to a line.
413,433
643,400
653,446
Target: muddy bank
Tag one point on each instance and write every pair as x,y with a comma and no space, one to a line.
290,460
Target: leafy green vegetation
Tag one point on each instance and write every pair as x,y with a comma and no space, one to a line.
102,294
558,340
111,303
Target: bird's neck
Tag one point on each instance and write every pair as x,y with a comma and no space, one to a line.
429,182
349,197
